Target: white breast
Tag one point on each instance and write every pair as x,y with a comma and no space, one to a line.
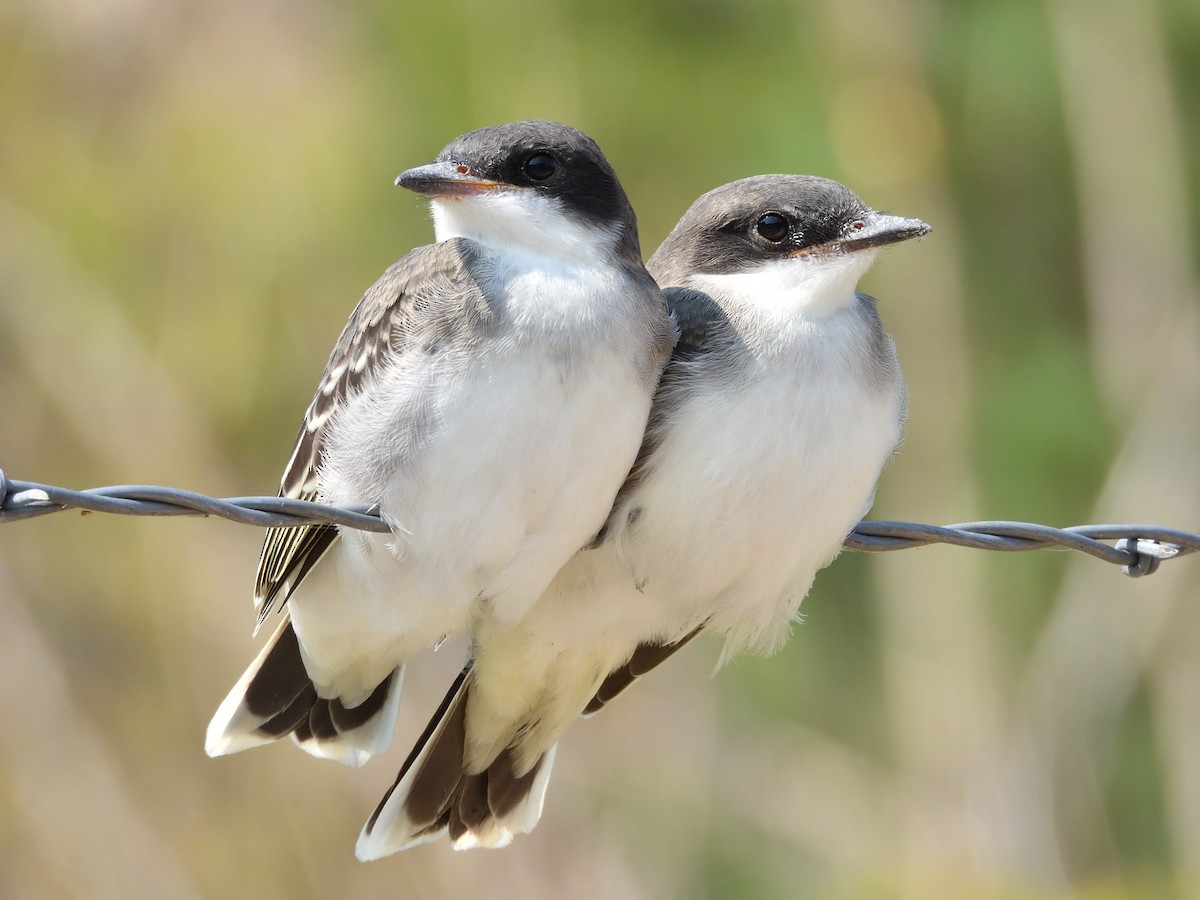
760,482
765,465
492,463
761,473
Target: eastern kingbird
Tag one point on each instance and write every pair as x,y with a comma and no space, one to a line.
488,395
780,406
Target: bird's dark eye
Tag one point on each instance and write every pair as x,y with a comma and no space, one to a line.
540,166
772,227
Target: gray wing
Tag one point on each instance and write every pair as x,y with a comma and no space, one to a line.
645,657
425,300
703,329
698,318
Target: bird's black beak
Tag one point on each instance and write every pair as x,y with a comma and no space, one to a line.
445,179
878,230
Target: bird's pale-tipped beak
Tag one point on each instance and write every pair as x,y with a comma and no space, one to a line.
445,179
878,230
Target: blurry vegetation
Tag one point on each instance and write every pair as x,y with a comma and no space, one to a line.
193,196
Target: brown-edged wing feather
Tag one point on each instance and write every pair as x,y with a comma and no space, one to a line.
421,303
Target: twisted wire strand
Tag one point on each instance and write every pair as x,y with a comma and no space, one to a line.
1138,549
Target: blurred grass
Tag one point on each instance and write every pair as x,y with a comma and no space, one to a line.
193,196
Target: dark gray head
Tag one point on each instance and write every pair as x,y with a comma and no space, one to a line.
747,223
498,183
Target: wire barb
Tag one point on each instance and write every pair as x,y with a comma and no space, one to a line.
1138,549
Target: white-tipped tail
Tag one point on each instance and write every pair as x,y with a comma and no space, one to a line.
273,683
434,794
275,698
361,732
498,830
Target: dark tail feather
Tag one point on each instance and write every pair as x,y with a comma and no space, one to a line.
433,794
275,698
645,658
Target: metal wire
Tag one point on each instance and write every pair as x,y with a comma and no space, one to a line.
1138,549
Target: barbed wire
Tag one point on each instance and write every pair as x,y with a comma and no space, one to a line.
1137,549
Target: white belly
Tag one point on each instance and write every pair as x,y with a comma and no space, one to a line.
760,493
754,491
514,470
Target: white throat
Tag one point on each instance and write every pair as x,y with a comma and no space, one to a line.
521,220
806,285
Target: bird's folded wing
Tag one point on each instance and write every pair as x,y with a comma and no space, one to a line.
422,303
645,658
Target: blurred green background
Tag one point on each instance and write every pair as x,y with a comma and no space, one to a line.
192,198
